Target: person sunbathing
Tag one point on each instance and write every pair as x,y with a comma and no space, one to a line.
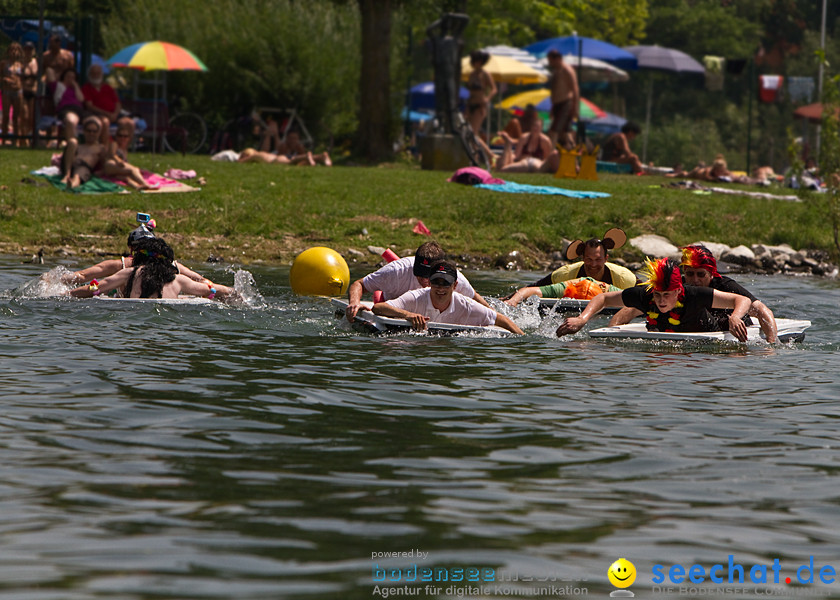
532,151
717,172
116,164
261,156
617,147
79,161
154,275
288,151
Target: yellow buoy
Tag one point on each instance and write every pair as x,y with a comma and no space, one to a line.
319,271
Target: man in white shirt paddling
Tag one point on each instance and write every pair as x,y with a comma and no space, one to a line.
402,275
442,303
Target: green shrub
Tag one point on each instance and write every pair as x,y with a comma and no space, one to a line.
282,54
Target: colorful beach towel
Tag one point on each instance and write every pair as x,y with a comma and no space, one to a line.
112,185
512,187
159,183
95,185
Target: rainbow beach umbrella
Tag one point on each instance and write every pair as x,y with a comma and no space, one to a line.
541,99
157,56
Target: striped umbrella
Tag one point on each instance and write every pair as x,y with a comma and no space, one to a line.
541,99
157,56
504,69
518,54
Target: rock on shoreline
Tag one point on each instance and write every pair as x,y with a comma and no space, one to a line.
758,258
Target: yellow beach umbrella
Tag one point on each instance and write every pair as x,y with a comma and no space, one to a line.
524,99
504,69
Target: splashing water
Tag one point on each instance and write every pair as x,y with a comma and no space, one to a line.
47,285
243,282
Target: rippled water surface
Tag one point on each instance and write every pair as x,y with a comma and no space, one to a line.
151,451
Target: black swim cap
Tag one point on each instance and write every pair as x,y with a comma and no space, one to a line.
141,233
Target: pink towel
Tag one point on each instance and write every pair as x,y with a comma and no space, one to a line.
473,176
152,179
180,174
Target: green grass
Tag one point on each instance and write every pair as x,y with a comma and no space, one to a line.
265,212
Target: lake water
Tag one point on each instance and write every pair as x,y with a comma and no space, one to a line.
153,451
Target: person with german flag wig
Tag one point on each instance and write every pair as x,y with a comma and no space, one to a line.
699,268
667,304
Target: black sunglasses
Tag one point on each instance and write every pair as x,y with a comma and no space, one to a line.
421,270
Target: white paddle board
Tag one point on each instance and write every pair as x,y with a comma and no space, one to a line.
189,300
788,330
370,323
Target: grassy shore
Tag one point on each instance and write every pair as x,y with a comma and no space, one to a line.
254,212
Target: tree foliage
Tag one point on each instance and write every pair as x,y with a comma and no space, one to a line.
701,27
278,53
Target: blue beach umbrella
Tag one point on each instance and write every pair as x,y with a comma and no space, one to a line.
588,47
606,125
422,96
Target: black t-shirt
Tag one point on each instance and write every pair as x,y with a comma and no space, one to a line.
727,284
693,315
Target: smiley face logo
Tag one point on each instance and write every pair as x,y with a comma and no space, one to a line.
622,573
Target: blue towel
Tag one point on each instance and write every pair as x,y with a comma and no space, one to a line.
523,188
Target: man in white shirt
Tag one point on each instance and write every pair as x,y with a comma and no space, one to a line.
402,275
441,303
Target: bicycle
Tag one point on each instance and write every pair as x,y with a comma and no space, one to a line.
248,131
187,133
475,149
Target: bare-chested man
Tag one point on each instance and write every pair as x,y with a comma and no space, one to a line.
565,99
56,60
80,160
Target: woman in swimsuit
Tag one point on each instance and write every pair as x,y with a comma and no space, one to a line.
11,70
532,151
116,164
482,88
69,102
30,89
154,275
617,147
109,267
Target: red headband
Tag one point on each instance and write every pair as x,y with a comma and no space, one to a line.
699,257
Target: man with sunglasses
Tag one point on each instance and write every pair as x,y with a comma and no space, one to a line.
441,303
402,275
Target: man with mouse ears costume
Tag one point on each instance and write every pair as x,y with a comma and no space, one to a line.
591,261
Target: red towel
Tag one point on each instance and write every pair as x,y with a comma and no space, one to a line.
421,229
769,86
